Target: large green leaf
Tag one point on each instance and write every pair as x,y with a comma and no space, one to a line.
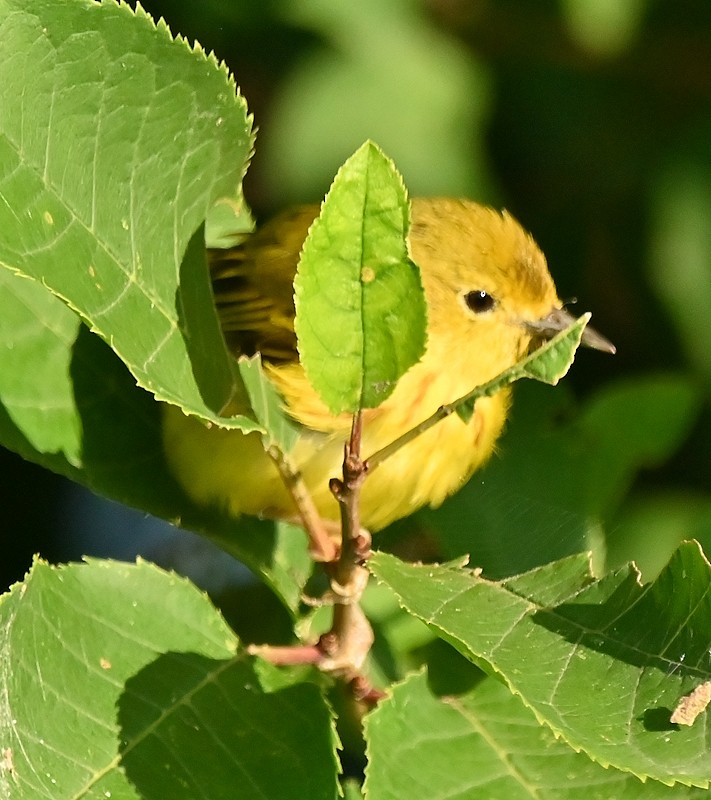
115,141
602,663
123,681
360,306
107,432
483,745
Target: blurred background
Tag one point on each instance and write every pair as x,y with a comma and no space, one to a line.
590,120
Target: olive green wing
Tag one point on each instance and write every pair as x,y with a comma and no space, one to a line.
253,287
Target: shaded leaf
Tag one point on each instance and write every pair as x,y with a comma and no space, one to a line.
122,674
267,405
602,663
483,745
37,332
123,141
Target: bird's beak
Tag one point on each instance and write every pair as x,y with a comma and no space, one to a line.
559,319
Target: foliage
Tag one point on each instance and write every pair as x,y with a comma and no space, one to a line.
379,301
121,149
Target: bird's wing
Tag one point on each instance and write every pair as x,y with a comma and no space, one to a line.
253,287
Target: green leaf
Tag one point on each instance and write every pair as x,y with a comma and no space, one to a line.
551,361
601,663
123,140
115,676
122,144
267,405
360,307
37,332
483,745
228,222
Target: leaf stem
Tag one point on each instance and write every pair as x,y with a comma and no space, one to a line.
355,545
343,649
348,642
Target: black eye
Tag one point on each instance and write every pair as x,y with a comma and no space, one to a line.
479,301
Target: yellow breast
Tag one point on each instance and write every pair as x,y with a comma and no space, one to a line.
232,470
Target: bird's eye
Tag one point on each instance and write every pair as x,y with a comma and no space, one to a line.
479,301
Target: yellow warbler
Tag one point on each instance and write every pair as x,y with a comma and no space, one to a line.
489,298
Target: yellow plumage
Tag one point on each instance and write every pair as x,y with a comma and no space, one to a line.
489,295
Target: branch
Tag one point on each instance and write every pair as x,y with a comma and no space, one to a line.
343,650
322,546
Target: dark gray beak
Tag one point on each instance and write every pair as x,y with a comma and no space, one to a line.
558,320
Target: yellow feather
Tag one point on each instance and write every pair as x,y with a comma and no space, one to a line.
461,247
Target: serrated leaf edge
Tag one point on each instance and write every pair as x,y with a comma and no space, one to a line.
559,734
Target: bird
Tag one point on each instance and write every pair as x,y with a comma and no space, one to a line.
490,300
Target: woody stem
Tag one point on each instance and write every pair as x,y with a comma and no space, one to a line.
321,545
351,636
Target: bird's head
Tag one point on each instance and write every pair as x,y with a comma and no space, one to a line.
487,284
